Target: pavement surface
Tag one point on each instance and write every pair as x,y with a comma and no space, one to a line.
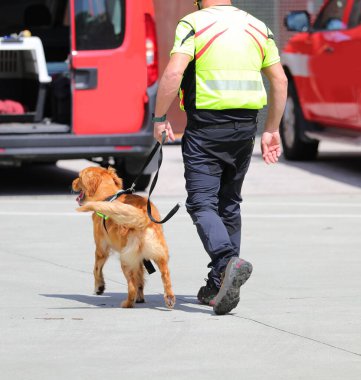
299,314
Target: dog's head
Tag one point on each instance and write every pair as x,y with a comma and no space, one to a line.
95,184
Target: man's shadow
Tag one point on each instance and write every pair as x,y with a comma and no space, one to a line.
184,303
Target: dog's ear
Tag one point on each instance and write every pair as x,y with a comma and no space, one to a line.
118,181
75,185
91,181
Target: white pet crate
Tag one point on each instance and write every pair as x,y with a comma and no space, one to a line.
23,77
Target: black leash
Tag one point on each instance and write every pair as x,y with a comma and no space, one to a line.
154,182
147,263
152,186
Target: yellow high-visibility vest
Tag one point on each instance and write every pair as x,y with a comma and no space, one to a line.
229,54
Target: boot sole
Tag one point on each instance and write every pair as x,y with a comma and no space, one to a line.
237,273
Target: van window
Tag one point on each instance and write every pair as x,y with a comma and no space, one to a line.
46,19
99,24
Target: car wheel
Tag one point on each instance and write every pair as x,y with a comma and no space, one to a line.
293,124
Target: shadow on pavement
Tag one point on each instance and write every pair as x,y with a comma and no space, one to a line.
39,179
184,303
341,167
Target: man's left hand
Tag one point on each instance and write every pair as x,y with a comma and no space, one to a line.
271,147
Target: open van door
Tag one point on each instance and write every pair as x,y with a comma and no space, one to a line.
108,60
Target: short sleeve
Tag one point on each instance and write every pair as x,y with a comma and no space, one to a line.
184,39
271,55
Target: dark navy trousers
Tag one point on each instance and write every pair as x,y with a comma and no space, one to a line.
216,159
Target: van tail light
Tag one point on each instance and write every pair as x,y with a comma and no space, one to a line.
151,50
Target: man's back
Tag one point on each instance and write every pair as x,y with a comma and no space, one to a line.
229,48
243,33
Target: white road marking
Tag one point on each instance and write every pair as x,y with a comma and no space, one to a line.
245,215
294,216
171,201
38,213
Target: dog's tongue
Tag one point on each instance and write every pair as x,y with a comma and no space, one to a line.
80,197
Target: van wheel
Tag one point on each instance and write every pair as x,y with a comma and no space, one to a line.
129,178
293,125
142,183
39,163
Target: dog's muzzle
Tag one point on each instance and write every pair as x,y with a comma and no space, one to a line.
80,198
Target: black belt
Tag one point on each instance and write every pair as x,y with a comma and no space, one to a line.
232,124
250,122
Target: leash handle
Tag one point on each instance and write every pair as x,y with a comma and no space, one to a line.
154,182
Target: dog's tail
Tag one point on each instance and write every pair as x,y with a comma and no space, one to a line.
121,213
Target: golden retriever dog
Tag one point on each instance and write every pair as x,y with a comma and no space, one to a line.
126,230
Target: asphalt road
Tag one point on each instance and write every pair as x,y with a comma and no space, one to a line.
299,315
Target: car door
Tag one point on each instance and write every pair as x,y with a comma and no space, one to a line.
333,66
352,51
109,66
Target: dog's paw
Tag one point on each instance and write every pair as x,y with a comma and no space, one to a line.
127,304
169,301
99,290
140,300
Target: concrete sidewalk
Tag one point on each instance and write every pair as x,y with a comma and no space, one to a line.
299,315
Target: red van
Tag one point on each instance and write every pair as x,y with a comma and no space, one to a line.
323,65
82,86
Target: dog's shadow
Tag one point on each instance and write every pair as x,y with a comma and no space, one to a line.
184,303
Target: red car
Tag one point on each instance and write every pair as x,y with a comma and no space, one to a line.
323,65
93,94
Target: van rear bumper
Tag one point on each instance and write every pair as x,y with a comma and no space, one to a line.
72,142
131,150
70,147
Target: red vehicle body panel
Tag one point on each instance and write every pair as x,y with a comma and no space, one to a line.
117,104
325,68
110,93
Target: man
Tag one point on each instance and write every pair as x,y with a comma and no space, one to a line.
216,62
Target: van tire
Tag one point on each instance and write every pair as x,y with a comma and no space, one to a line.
39,163
142,183
128,178
293,124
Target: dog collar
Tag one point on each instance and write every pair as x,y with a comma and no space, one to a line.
118,194
102,216
113,198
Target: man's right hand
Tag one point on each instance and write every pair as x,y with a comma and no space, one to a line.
271,147
159,128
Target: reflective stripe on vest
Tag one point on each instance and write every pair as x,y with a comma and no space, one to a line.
234,85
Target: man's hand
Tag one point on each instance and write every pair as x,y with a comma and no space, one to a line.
271,147
159,128
270,144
